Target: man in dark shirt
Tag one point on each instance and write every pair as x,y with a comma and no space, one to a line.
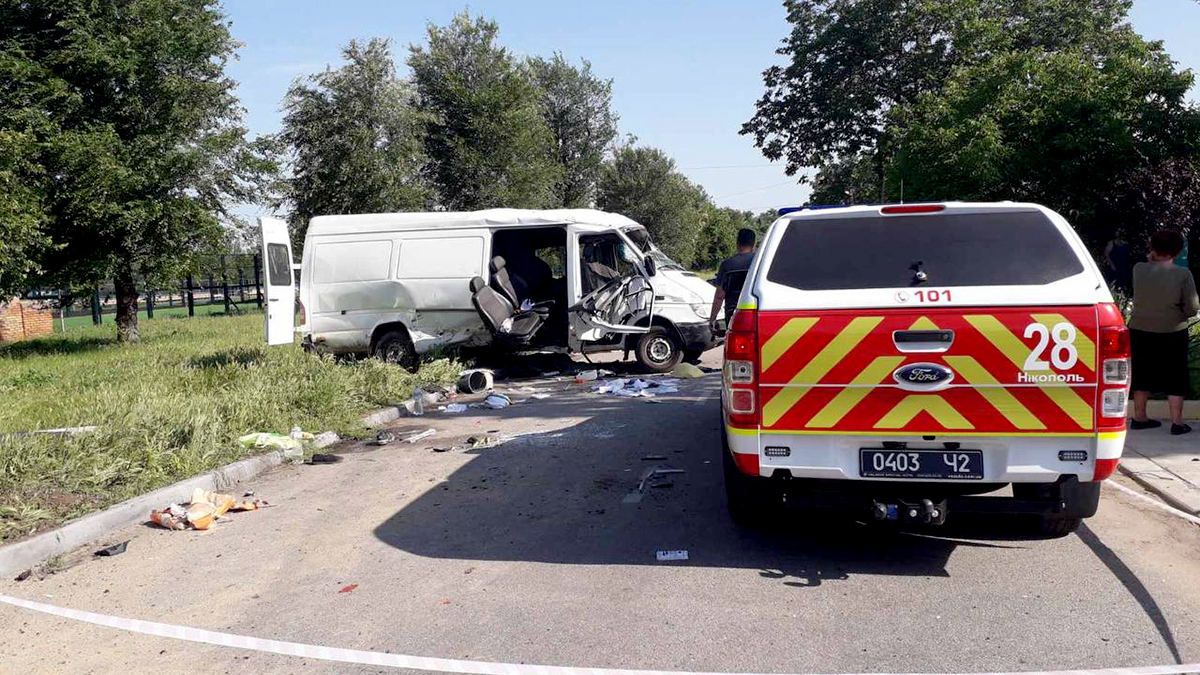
731,276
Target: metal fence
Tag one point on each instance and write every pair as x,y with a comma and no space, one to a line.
229,283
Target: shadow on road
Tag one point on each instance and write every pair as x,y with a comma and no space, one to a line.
1134,585
562,496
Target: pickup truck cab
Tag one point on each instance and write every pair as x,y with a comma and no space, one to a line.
901,361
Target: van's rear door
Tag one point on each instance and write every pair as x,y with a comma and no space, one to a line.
280,292
949,322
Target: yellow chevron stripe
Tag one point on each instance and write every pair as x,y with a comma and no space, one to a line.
819,366
1083,344
784,338
1004,402
912,405
849,397
1065,398
923,323
1075,407
1000,337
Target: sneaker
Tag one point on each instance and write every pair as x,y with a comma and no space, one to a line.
1180,429
1145,424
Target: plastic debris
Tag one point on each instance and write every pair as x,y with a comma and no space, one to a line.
687,370
384,437
420,435
115,549
205,508
497,401
24,575
348,588
475,380
667,556
418,402
454,408
270,440
636,387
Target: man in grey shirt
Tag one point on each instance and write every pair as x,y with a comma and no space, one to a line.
731,276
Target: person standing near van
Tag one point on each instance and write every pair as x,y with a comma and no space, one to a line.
1164,300
731,276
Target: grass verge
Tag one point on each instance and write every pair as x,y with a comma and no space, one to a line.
167,409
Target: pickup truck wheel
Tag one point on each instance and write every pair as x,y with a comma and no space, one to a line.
744,496
1059,526
394,347
658,351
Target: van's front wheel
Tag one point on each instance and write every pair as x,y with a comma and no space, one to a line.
394,347
658,351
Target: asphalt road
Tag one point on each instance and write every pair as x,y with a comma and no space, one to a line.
528,553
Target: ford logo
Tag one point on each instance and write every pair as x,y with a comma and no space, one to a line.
923,376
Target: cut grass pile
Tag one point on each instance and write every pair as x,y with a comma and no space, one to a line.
167,409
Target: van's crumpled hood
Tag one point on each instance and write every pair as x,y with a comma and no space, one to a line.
680,286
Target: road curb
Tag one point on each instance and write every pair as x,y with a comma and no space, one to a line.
20,556
1149,486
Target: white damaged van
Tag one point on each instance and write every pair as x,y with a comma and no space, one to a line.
397,285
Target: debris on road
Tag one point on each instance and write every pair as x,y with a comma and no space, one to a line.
637,387
420,435
324,458
687,370
475,380
115,549
454,408
271,440
24,575
666,556
654,458
497,401
384,437
205,508
348,588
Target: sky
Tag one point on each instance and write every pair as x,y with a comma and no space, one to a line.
686,75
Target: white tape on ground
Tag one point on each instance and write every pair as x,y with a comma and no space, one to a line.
1154,502
428,663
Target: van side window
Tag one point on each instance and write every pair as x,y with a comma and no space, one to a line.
346,261
441,258
279,271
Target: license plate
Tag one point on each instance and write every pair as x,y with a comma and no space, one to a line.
927,464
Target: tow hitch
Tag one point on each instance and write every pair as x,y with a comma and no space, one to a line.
925,512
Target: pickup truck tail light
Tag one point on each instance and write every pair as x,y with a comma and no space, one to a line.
1113,392
741,369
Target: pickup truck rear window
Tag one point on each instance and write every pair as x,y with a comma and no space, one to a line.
873,251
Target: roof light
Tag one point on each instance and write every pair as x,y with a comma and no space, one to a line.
912,208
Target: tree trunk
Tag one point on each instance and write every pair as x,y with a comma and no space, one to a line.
127,307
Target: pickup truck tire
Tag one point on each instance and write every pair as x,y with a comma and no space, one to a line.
745,496
395,347
1060,526
658,351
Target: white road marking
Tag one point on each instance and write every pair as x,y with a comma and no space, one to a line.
341,655
1154,502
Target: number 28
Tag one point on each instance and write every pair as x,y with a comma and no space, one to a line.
1063,355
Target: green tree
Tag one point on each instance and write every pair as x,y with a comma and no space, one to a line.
849,63
717,239
1056,128
643,184
487,142
137,131
355,139
22,216
577,106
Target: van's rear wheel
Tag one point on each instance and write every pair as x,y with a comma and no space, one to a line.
658,351
394,347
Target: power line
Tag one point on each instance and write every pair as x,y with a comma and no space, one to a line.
759,189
